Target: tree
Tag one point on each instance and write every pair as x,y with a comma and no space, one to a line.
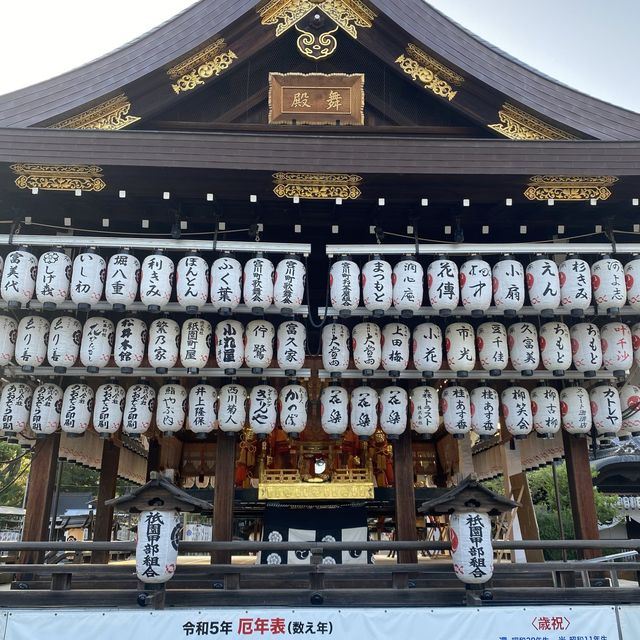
14,471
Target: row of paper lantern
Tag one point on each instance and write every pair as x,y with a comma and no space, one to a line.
573,285
54,278
65,340
493,345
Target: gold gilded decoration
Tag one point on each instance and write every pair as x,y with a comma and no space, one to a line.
317,186
574,188
107,116
315,46
433,75
517,124
437,67
59,177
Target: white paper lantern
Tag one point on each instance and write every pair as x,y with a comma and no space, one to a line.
423,407
485,411
258,348
8,335
377,286
586,347
575,285
130,344
395,347
606,410
77,407
555,347
493,351
195,344
123,276
427,348
1,267
456,410
164,344
108,409
630,405
364,411
288,286
576,410
202,417
232,408
159,532
263,414
192,283
617,347
258,284
635,342
471,547
408,287
334,410
344,288
394,405
293,408
523,347
229,345
545,408
475,286
366,343
632,281
291,346
45,409
543,283
19,278
335,348
460,347
87,279
226,284
516,411
138,409
15,406
156,282
63,347
443,286
609,288
171,408
31,342
508,286
54,278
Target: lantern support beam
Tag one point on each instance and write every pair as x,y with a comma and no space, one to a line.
223,495
446,374
106,491
405,506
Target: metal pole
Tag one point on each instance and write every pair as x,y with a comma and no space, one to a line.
558,506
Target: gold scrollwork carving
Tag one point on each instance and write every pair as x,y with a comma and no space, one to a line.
111,115
433,75
517,124
317,186
571,188
315,46
59,177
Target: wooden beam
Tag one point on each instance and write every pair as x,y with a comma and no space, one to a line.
526,515
223,495
153,457
405,496
106,491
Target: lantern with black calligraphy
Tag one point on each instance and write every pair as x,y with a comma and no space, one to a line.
77,407
408,287
630,405
456,410
364,411
606,410
229,346
139,405
395,348
344,287
171,408
226,284
516,410
288,286
543,283
555,347
427,348
164,343
609,288
64,343
394,405
545,408
508,286
258,348
263,415
475,286
366,342
443,285
635,342
19,278
54,278
123,276
156,282
232,408
470,534
485,411
202,417
575,408
335,348
87,279
617,348
108,409
586,347
377,286
159,532
130,344
195,344
492,343
423,408
334,410
31,342
257,289
460,347
523,347
632,282
15,405
291,346
293,409
45,409
575,285
8,335
192,282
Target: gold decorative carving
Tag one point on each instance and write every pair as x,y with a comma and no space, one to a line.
107,116
59,177
574,188
517,124
316,46
317,186
434,65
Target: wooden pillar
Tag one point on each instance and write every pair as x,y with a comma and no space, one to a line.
106,490
526,515
44,462
223,495
153,458
405,496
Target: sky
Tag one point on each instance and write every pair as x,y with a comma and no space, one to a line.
590,45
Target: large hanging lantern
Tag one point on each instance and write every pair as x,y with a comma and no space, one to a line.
408,287
632,282
485,411
586,347
377,286
77,407
8,335
258,284
164,343
156,282
293,409
630,405
617,348
470,535
492,343
202,417
366,343
19,278
334,410
364,411
335,348
609,288
171,408
87,279
130,344
64,343
139,406
606,411
263,414
575,285
443,285
394,405
543,283
258,348
123,275
555,347
195,344
395,348
516,410
15,405
31,342
192,282
45,409
508,286
423,407
229,345
427,348
54,278
291,346
460,347
545,408
226,284
523,347
456,410
288,286
157,545
108,409
344,286
575,408
232,408
475,286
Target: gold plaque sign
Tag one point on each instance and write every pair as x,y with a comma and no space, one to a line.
316,98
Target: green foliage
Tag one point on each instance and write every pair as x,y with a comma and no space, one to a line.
14,471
